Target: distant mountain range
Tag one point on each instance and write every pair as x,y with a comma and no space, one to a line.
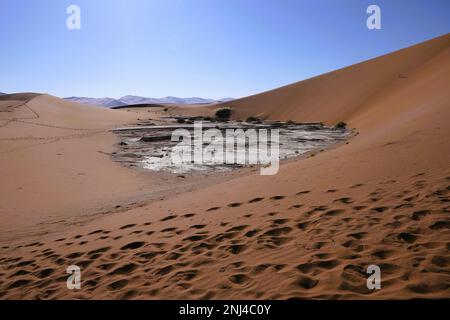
2,94
131,100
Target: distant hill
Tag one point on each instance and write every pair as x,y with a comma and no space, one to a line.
165,100
133,100
103,102
2,94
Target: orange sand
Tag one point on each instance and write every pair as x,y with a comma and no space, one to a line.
308,232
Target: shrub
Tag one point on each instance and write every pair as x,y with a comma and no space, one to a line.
223,113
340,125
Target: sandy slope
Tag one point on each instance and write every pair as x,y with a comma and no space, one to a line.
342,94
56,168
308,232
47,148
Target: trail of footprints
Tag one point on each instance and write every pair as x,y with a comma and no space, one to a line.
336,238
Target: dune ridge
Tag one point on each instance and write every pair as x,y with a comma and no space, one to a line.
308,232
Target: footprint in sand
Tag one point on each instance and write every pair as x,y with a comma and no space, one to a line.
252,233
277,231
173,256
18,283
417,215
185,275
224,236
438,225
195,238
379,209
382,253
106,266
334,212
170,217
239,279
407,237
279,221
149,255
440,261
305,282
164,270
261,268
34,244
25,263
125,269
117,285
272,238
133,245
353,245
234,205
189,215
256,200
198,226
237,228
327,264
420,184
303,225
95,232
409,199
236,248
316,209
404,205
127,226
74,255
345,200
44,273
305,267
357,235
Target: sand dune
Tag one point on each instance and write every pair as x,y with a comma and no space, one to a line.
308,232
342,94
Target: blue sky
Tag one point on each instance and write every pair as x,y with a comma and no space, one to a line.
207,48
